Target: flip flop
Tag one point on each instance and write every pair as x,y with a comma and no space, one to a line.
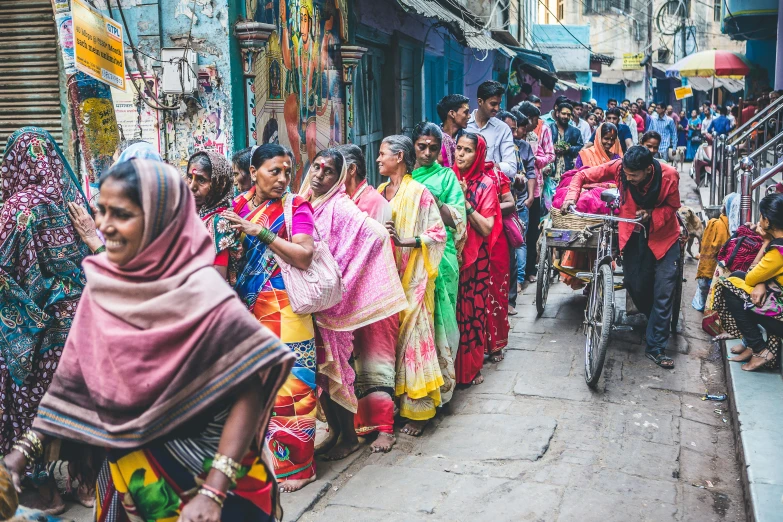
659,358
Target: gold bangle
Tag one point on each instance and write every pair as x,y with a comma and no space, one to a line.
18,447
223,466
35,441
228,460
207,493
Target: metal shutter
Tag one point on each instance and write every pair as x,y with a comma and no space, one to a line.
29,72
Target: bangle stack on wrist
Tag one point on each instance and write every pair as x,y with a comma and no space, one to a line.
266,236
469,210
30,446
227,466
418,241
213,494
99,250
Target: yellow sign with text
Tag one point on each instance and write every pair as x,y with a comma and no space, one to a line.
683,92
632,61
98,44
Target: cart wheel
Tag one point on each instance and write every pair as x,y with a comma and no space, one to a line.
544,275
678,292
599,316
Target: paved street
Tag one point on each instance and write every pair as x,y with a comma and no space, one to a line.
534,443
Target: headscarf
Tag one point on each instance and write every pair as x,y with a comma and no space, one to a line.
596,155
479,195
193,342
142,150
732,206
306,190
220,192
40,252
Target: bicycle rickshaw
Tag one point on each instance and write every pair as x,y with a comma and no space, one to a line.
592,233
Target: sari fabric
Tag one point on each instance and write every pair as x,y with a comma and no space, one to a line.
374,345
444,185
41,280
596,155
291,434
372,291
499,278
473,298
186,362
419,378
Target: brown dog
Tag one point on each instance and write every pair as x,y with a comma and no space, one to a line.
694,226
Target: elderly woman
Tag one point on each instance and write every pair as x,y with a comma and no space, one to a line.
363,251
179,412
374,345
485,226
746,303
260,215
444,187
209,179
419,236
41,280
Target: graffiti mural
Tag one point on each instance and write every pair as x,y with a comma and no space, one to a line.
300,79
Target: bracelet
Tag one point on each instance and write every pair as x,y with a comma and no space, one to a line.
20,448
418,241
37,445
227,466
99,250
207,493
214,490
266,236
469,210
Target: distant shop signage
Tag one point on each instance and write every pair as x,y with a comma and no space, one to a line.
632,61
683,92
98,45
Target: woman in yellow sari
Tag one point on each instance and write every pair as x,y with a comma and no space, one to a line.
419,237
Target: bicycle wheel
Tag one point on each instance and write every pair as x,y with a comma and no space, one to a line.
599,317
678,292
543,276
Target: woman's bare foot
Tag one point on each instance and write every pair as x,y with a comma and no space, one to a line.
383,443
738,349
497,357
289,486
45,499
85,495
328,443
478,379
743,356
722,337
414,428
342,449
759,360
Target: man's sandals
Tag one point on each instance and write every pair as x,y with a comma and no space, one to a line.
664,361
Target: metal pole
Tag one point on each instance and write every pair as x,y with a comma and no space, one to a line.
648,71
731,156
714,172
746,181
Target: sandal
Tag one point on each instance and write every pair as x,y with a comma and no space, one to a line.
664,361
766,356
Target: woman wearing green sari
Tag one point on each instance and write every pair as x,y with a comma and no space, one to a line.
444,186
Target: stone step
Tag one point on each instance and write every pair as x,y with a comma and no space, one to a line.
757,409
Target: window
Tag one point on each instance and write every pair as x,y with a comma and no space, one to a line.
717,10
675,7
606,6
560,10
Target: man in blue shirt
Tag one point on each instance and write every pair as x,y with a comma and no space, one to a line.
722,124
664,126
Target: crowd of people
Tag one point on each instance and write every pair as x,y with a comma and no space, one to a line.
176,341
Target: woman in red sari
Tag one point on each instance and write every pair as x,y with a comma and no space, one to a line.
485,226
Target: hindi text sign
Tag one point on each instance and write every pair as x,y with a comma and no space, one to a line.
632,61
683,92
98,43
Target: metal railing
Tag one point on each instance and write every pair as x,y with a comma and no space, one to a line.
750,187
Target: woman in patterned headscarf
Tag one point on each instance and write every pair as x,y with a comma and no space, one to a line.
41,279
211,181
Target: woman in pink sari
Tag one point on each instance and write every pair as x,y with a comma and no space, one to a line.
373,292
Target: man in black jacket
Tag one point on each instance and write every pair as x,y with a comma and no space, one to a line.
564,132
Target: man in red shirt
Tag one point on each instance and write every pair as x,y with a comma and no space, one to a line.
640,121
649,190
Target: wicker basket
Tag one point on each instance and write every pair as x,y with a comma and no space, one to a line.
570,221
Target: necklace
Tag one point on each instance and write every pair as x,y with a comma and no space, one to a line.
395,192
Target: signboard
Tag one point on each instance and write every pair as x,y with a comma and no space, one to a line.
683,92
632,61
99,51
137,123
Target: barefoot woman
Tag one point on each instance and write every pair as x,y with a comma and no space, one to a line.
484,229
259,214
419,237
179,412
363,251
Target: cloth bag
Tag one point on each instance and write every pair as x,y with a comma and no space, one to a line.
320,286
514,230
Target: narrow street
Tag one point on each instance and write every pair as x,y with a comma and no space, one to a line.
534,443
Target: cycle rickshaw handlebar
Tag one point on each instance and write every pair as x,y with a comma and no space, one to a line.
604,217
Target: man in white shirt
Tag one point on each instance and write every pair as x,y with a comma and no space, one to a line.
580,123
500,140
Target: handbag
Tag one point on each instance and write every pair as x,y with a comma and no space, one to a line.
514,230
711,324
320,287
740,250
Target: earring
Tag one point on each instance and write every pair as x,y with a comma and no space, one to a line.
253,180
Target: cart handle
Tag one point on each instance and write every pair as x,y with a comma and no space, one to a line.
604,217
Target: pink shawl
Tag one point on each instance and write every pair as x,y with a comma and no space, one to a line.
161,339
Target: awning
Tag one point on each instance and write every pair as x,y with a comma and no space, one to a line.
563,85
705,84
475,37
613,76
540,60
